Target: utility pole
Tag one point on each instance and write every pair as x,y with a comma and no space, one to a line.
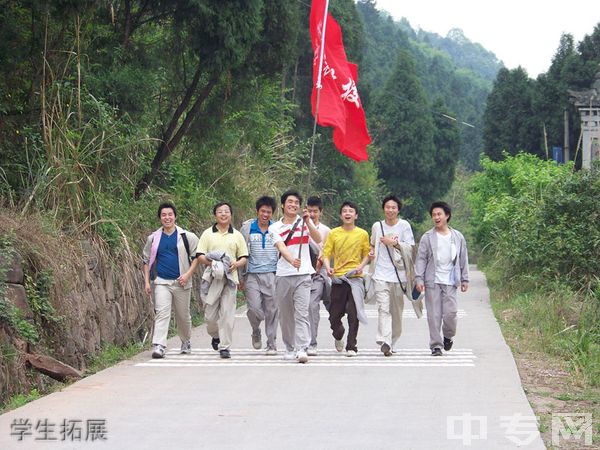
566,139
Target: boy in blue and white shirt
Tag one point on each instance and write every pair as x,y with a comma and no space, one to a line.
259,282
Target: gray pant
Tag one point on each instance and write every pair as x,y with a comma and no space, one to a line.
314,308
441,304
220,316
165,296
260,298
293,297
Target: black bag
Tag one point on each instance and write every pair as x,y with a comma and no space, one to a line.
415,294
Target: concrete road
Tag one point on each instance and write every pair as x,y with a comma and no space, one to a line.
469,398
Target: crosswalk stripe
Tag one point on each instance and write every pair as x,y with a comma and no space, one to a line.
310,363
408,357
370,313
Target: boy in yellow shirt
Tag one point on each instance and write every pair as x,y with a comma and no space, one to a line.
349,247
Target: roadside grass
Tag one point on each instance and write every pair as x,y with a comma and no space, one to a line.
108,357
555,339
16,401
111,355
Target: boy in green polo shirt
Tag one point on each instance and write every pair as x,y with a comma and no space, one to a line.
223,238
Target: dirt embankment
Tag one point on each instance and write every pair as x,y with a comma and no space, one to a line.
64,298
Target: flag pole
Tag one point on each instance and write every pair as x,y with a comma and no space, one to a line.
319,86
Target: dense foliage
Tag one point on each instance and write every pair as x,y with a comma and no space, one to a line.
538,218
108,107
537,226
528,115
452,70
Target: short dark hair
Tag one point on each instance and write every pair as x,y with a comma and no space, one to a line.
350,204
445,206
218,205
393,198
315,201
286,194
166,205
265,200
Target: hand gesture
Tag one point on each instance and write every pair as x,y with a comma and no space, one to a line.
183,279
393,241
305,214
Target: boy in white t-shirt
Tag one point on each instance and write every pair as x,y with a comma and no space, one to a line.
390,282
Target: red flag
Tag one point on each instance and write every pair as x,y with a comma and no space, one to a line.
339,103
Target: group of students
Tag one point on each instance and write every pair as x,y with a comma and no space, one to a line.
288,267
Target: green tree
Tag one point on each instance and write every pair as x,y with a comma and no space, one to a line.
446,139
222,37
509,116
405,133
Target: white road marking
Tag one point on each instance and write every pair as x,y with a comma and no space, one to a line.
371,314
406,357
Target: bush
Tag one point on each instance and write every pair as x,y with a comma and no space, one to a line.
538,223
538,219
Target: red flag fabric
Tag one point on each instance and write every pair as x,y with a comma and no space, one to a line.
339,103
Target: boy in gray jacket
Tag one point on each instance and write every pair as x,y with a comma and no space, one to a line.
442,266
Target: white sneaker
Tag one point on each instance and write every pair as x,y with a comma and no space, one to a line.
271,351
350,353
158,351
289,356
339,345
312,351
301,356
186,347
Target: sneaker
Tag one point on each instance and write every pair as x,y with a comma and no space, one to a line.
386,350
215,343
271,351
312,351
224,354
448,344
256,340
186,347
301,356
436,352
350,353
289,356
158,351
339,345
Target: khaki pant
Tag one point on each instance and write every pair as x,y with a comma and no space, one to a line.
220,316
293,297
165,297
390,304
260,298
442,308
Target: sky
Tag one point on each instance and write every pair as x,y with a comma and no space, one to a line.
522,33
